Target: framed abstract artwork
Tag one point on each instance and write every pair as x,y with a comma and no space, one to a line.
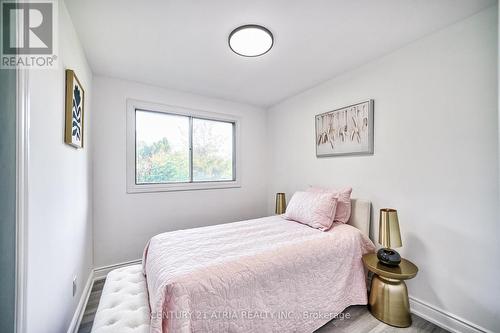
75,101
345,131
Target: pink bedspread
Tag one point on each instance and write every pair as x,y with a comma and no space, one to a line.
263,275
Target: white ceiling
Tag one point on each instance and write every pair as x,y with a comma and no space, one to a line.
182,44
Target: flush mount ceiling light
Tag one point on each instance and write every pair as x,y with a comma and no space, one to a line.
251,40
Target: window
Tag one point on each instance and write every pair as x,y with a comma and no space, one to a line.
172,148
161,148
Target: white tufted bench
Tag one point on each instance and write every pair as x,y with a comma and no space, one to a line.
123,307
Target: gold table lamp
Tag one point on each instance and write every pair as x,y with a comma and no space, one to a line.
280,203
389,237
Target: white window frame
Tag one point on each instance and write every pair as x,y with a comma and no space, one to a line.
133,187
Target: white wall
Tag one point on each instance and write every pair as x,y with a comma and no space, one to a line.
123,222
436,159
60,189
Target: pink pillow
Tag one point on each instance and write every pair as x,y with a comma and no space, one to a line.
343,211
314,209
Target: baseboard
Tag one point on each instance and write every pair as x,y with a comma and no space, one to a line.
80,309
101,272
444,319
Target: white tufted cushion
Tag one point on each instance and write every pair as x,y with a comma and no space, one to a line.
123,307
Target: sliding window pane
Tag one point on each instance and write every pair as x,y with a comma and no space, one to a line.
162,148
212,150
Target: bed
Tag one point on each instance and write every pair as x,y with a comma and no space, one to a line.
295,283
261,275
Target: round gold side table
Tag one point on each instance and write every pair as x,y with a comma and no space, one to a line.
388,301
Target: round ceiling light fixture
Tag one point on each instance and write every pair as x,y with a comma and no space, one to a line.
251,40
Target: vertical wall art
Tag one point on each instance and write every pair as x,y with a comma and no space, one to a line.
345,131
75,98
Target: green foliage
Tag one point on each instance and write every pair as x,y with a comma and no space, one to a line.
209,160
207,165
158,163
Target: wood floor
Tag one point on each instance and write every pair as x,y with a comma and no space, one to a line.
88,316
359,320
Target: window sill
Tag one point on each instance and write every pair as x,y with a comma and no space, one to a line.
146,188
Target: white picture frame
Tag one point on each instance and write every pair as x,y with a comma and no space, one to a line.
345,131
